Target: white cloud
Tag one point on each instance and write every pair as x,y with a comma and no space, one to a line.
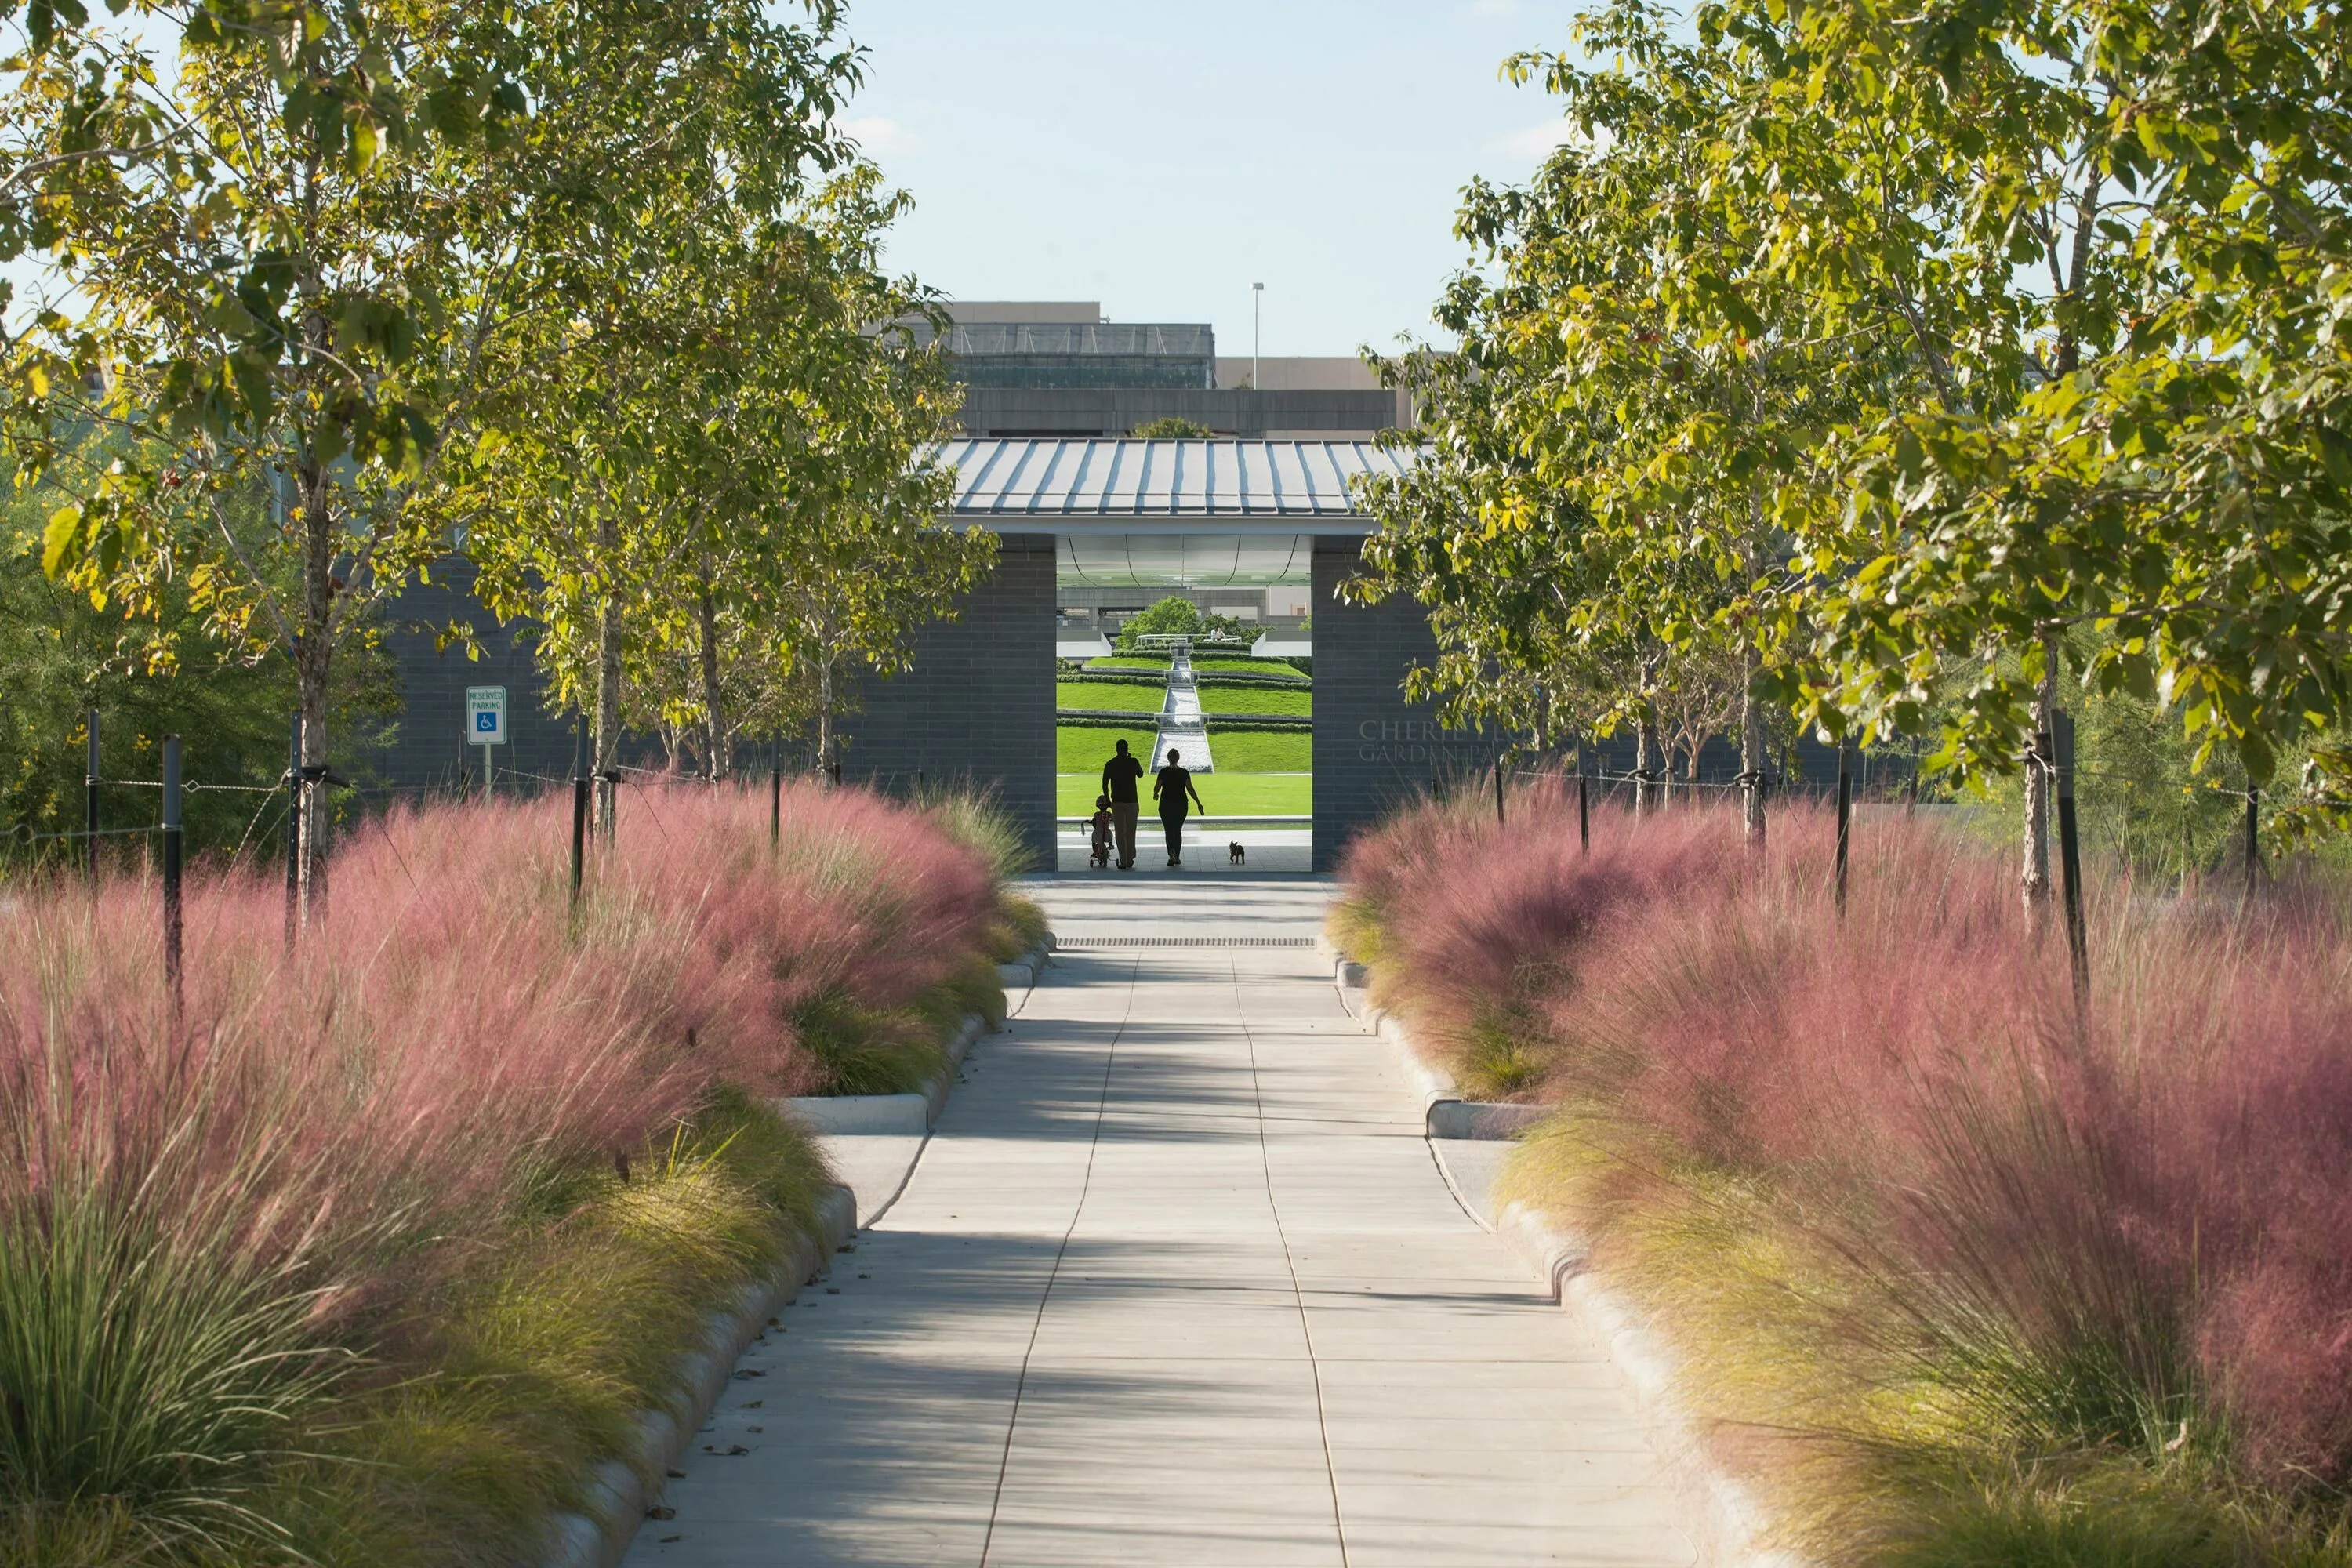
1534,142
882,136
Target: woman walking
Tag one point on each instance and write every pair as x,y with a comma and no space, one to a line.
1170,790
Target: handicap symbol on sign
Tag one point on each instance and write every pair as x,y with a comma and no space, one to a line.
485,722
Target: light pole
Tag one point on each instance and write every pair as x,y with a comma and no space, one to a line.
1257,294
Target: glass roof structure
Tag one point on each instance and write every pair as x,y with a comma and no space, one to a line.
1103,488
1185,560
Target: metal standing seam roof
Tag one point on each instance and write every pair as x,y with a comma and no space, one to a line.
1003,481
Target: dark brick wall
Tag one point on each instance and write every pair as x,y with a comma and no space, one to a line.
428,747
1229,411
1373,749
978,706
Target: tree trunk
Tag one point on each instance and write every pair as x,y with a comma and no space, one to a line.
313,661
824,762
2035,877
721,763
1645,786
1751,753
608,680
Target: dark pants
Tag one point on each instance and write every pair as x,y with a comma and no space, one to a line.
1122,824
1175,826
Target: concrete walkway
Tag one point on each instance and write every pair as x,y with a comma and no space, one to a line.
1176,1281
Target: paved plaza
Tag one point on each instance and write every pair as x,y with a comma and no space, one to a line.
1175,1282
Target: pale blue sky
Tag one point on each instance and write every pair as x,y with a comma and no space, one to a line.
1161,158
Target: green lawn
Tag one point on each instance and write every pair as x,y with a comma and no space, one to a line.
1226,794
1084,748
1238,664
1263,750
1216,700
1102,694
1241,665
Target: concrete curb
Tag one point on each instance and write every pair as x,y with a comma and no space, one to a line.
913,1113
620,1490
1445,1113
1023,972
1729,1517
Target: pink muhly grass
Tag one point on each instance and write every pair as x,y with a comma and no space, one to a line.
443,1034
2092,1234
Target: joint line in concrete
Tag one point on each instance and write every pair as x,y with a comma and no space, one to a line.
1077,1212
1298,1297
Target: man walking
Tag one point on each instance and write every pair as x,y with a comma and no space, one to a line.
1120,777
1169,789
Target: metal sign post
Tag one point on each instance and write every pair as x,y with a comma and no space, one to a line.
486,724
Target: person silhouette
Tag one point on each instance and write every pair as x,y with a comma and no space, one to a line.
1120,777
1169,789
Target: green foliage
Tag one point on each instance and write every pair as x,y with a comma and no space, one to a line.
1893,361
156,1361
1172,428
980,821
545,1351
1174,617
151,668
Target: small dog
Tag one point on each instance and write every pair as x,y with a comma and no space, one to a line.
1236,854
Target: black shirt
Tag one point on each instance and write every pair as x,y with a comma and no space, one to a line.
1120,776
1174,782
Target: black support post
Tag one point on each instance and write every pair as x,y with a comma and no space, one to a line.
2254,841
2070,855
579,804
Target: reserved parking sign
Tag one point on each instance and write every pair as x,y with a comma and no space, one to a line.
486,715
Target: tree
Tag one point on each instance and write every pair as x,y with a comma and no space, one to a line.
254,262
150,674
2135,463
1178,617
642,257
734,512
1172,428
1922,357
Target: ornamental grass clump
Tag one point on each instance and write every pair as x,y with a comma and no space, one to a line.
1946,1259
366,1253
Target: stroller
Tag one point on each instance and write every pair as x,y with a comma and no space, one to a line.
1100,857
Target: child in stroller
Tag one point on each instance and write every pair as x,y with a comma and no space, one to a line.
1100,858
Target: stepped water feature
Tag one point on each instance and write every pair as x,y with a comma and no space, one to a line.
1181,724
